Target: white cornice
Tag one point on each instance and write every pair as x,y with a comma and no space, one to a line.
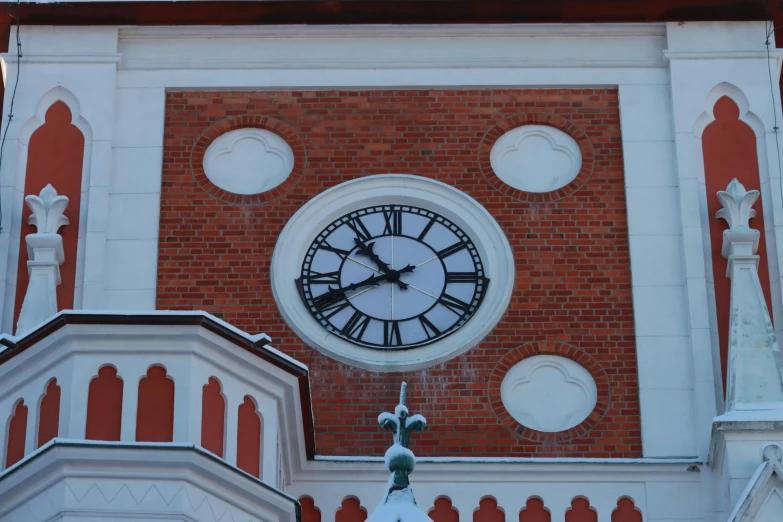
72,464
396,31
409,63
725,54
63,58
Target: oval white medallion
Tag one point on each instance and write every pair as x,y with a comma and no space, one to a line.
536,158
248,161
548,393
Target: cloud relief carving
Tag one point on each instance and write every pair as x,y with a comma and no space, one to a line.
548,393
536,158
248,161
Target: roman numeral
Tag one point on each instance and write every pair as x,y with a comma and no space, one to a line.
339,251
356,325
426,229
359,229
453,249
429,328
393,219
328,278
457,306
461,277
391,333
332,309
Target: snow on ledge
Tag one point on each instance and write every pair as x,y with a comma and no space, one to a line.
522,460
255,339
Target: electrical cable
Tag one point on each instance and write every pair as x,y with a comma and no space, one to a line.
769,29
13,98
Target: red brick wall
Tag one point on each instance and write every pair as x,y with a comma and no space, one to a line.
573,283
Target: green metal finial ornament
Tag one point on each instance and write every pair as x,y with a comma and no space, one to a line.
398,503
399,459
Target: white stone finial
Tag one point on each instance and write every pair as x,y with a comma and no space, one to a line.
737,205
754,368
739,239
44,256
48,209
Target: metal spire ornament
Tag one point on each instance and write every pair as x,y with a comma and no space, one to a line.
398,503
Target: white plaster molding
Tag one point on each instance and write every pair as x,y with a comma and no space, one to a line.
25,132
195,350
392,47
755,367
549,393
61,59
536,158
394,31
762,499
454,205
735,94
45,255
149,480
248,161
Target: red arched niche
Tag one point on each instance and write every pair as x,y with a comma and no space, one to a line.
49,414
104,406
580,511
443,511
626,511
55,155
310,513
155,413
534,511
488,511
350,511
729,147
249,438
17,432
213,417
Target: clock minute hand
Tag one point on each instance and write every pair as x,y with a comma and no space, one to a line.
334,294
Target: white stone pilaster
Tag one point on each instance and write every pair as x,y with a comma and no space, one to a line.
78,66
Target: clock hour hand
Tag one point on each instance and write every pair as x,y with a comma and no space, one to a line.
393,275
367,251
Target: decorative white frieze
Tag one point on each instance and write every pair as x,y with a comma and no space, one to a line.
536,158
762,499
549,393
755,369
248,161
45,255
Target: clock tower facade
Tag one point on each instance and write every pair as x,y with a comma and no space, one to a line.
232,230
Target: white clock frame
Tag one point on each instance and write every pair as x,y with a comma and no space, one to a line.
384,189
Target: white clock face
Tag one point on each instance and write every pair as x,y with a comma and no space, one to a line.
392,277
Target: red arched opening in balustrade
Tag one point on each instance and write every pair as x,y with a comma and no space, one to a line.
350,511
249,437
730,151
104,406
55,155
443,511
16,434
213,417
534,511
155,413
49,413
626,511
310,513
488,511
580,511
